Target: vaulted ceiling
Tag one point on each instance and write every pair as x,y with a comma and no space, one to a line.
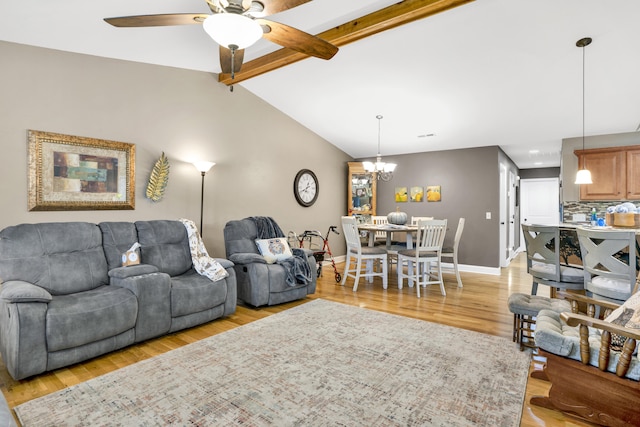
487,72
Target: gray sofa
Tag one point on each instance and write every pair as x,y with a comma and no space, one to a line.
261,283
65,297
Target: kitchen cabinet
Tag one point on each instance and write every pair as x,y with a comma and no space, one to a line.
362,190
615,172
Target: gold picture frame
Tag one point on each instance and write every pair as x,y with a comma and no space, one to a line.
69,173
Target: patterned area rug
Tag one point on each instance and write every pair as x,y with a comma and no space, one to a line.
318,364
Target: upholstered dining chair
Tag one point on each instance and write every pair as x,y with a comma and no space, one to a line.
610,263
427,251
452,253
542,243
363,256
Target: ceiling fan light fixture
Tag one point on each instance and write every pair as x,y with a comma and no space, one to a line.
230,29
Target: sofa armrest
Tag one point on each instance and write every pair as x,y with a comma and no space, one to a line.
132,270
576,319
23,343
225,263
631,337
244,258
15,291
153,292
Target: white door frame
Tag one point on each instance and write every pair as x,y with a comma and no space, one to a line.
503,217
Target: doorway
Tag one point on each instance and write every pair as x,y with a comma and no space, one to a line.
539,202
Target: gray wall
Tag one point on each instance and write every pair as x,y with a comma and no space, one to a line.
186,114
470,184
539,173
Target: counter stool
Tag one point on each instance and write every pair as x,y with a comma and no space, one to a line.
525,309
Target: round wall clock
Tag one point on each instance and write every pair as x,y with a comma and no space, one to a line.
306,187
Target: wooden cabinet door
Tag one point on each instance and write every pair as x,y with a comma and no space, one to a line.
633,174
608,172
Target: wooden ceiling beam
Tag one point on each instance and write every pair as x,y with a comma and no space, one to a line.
384,19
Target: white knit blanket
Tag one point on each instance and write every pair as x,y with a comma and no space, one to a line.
203,263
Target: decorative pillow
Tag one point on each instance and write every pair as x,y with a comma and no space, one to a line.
274,249
627,315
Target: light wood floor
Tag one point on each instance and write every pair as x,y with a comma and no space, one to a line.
480,306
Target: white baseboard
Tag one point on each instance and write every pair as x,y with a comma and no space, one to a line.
494,271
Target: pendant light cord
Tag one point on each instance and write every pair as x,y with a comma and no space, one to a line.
583,95
379,117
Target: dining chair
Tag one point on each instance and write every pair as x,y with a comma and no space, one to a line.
452,253
415,219
542,243
381,236
427,251
610,263
363,256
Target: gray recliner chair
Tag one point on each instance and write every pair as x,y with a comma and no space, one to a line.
260,283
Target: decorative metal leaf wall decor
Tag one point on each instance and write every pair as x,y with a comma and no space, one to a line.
158,179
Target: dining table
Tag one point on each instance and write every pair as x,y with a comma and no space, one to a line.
389,229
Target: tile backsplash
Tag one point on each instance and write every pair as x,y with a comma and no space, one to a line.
570,208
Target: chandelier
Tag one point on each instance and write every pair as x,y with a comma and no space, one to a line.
383,171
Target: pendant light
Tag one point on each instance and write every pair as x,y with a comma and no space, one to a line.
384,171
584,175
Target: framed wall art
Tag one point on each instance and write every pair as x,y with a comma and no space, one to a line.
76,173
433,193
417,194
401,195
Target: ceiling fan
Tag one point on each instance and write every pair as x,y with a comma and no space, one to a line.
237,24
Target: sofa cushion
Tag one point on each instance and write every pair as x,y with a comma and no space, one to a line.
62,258
85,317
192,293
628,316
165,244
240,236
117,238
555,336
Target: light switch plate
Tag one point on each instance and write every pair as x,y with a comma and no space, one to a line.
488,215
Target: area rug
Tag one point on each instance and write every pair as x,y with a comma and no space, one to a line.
318,364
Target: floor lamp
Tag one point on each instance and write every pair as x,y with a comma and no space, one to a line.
203,167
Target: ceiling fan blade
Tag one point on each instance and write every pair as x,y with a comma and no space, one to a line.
157,20
225,60
297,40
275,6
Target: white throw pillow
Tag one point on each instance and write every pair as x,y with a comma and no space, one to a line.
274,249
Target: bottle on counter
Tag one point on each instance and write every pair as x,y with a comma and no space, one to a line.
594,217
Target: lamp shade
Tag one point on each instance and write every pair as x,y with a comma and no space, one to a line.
231,29
583,177
203,166
369,166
